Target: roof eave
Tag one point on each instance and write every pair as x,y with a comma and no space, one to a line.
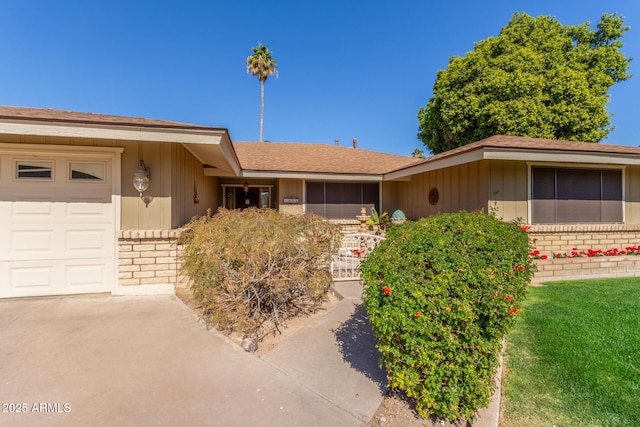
516,154
320,176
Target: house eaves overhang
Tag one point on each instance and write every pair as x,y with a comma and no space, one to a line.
312,176
211,146
515,154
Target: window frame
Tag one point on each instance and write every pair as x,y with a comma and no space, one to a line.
85,180
16,170
329,214
569,166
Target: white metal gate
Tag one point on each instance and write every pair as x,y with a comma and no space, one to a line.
355,248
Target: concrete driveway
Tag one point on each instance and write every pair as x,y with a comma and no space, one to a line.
103,360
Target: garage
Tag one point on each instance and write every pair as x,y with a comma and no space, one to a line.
57,219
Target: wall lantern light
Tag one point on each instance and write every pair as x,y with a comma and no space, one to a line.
141,178
246,187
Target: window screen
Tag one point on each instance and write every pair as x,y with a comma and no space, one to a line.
563,195
341,200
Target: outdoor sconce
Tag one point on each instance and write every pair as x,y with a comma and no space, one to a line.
246,187
141,178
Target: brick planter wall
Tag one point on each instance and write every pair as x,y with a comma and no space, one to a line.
148,257
586,268
550,239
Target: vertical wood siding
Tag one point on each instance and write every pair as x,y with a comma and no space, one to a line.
463,187
188,170
509,189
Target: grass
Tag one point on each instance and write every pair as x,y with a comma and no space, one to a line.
573,358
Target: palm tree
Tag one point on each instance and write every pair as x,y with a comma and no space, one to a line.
418,153
261,64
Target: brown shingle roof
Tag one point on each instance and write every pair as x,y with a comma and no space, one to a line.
537,144
506,141
316,158
51,115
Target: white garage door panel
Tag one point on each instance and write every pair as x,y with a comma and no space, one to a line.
29,243
30,277
93,211
57,235
87,242
37,278
87,277
28,211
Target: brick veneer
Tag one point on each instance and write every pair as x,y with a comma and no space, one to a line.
553,239
586,268
148,257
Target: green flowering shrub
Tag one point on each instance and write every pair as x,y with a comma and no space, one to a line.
441,294
252,268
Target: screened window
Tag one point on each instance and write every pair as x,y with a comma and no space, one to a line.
340,200
34,169
562,195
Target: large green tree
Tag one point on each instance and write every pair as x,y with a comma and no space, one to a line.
537,78
261,64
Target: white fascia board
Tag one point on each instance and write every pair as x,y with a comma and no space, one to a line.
447,162
312,176
518,155
561,157
230,154
128,133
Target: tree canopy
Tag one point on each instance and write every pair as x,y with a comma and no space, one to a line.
537,78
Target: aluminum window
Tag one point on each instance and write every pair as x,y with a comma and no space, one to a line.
29,169
341,200
574,195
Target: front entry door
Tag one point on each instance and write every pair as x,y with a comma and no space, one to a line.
249,199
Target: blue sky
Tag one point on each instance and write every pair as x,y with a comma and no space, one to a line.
346,68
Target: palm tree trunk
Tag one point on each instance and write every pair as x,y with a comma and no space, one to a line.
261,107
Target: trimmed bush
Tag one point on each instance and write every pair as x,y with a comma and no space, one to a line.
252,268
441,293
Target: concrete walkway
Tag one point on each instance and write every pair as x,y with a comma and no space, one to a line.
141,360
120,361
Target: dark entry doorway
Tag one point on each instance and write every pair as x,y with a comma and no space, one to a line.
248,199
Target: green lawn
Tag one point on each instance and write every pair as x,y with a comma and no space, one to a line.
573,358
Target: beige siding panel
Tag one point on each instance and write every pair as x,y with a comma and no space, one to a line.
289,188
390,197
447,196
632,195
463,186
508,189
455,189
473,185
496,187
188,179
484,167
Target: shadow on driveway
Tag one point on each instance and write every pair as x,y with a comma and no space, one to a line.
357,343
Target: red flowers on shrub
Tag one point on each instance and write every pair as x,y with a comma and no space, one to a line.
525,228
514,311
387,290
508,298
518,267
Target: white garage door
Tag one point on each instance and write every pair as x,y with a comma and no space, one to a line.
57,231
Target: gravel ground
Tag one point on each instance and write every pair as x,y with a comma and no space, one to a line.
396,410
